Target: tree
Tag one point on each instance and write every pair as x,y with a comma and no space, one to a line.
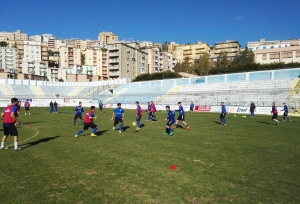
245,57
165,46
202,67
3,44
222,61
60,80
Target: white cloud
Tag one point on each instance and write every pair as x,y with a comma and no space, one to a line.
238,18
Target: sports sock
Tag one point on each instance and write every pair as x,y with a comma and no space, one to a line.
186,125
2,144
167,130
79,132
121,126
176,125
74,122
139,124
94,130
16,145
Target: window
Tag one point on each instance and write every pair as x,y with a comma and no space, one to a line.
287,55
274,56
298,54
272,47
264,57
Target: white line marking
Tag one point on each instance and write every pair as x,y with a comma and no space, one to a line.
37,132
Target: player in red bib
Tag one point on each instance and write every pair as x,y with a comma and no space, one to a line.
27,107
89,122
275,113
9,120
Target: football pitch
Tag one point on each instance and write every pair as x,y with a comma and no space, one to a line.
251,160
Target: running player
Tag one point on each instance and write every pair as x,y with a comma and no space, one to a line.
286,112
118,115
181,117
139,114
79,110
171,120
275,113
89,122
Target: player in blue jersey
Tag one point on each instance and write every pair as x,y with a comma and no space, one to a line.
223,114
100,106
139,114
78,114
51,107
149,112
181,117
171,120
192,107
118,115
286,112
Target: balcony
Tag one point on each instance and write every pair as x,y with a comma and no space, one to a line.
31,71
31,65
187,48
199,52
43,71
113,73
113,48
8,63
113,67
199,48
113,61
187,53
90,72
54,76
114,54
54,71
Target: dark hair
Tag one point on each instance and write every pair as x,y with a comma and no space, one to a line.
118,104
79,102
168,106
13,100
92,107
179,102
137,102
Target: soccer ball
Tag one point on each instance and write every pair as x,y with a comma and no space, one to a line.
234,115
134,123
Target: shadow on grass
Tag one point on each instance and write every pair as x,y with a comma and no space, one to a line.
264,122
179,126
99,133
46,139
125,128
217,122
142,125
32,122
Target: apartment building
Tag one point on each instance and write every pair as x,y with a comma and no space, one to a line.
188,52
229,46
83,44
17,35
81,73
107,38
126,60
8,60
263,44
56,43
98,59
168,62
38,38
282,54
69,56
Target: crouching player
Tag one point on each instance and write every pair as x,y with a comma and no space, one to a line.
171,120
139,114
89,122
9,121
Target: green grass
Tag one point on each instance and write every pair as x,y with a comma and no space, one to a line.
247,161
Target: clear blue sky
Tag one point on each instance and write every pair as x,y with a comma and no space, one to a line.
180,21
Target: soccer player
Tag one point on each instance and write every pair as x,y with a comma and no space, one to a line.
286,112
149,112
181,117
252,109
9,121
153,110
55,108
79,110
192,107
139,114
275,113
118,114
27,107
101,106
171,120
51,107
223,114
89,122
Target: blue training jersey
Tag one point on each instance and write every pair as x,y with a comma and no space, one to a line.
180,110
285,108
149,107
192,105
223,109
171,115
79,110
118,112
100,104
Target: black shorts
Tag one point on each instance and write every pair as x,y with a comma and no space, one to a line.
222,115
274,116
180,117
10,129
118,120
191,109
151,113
87,125
285,114
100,107
78,116
170,122
27,109
138,117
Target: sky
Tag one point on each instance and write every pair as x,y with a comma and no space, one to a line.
179,21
